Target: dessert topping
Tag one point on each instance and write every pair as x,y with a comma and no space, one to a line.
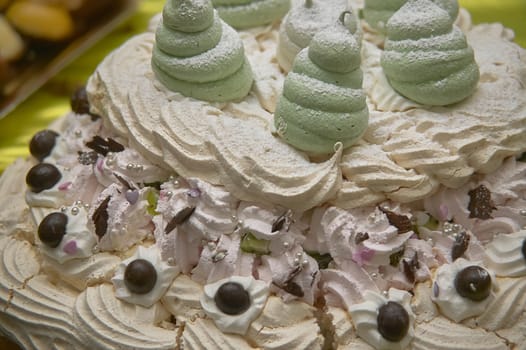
79,101
474,283
480,203
52,229
460,246
393,321
401,222
101,146
140,276
42,144
100,217
179,218
42,176
232,299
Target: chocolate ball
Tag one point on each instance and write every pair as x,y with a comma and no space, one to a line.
42,176
474,283
42,144
232,299
393,321
140,276
79,101
52,229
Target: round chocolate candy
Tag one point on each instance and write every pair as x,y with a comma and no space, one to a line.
474,283
42,144
79,101
52,229
393,321
42,176
232,299
140,276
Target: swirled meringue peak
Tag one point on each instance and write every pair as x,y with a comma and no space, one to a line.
304,20
378,12
251,13
323,103
426,58
199,55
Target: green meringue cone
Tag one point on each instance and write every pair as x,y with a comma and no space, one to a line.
377,12
304,20
426,58
323,103
199,55
251,13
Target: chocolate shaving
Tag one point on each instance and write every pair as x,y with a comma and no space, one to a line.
460,246
480,203
123,181
101,146
100,218
401,222
179,219
279,223
360,237
410,266
87,158
293,288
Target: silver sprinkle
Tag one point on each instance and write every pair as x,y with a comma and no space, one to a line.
78,203
95,249
130,166
296,261
305,262
385,293
374,275
522,212
240,222
63,209
110,162
286,245
75,210
176,183
171,261
78,133
234,218
171,178
299,255
169,194
456,227
87,206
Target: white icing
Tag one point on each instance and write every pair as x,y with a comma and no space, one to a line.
165,276
79,240
364,316
505,256
76,183
422,147
238,324
128,220
452,304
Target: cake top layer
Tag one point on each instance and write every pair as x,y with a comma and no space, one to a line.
406,152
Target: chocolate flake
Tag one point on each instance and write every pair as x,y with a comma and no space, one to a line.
179,218
293,288
480,203
410,266
87,158
123,181
360,237
101,146
401,222
100,218
284,220
460,246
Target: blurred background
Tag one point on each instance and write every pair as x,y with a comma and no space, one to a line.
52,100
